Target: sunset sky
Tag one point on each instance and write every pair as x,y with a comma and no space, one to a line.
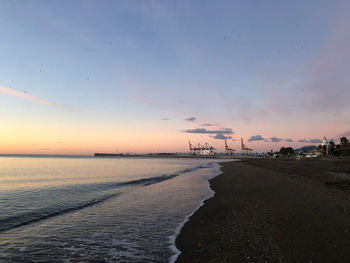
78,77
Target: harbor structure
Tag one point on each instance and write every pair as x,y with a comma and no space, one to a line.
206,149
229,151
245,149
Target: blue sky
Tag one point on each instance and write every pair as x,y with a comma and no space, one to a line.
270,68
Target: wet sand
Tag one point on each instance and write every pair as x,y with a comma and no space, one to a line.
273,211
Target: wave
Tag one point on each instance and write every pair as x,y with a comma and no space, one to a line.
33,217
145,181
49,212
158,179
177,232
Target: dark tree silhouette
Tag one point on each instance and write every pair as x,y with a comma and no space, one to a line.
287,151
331,148
345,146
344,141
324,150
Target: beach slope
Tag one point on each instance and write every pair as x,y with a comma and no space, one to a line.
272,211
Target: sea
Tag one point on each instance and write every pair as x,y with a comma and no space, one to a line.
90,209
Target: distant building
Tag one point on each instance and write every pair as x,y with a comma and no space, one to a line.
325,142
314,154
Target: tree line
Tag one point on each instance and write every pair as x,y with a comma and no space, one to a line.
341,149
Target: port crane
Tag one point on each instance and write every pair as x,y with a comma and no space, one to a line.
229,150
206,149
244,148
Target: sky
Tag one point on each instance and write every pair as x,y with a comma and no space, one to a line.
78,77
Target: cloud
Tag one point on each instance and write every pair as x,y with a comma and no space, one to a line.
205,131
165,119
198,130
191,119
207,124
303,140
28,97
289,140
315,140
275,139
219,134
255,138
310,141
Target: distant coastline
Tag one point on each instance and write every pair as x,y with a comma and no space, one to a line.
167,155
46,155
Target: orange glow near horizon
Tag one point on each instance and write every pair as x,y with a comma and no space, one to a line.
87,144
27,134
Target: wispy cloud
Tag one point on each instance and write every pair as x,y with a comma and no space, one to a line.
207,124
165,119
324,81
29,97
328,84
289,140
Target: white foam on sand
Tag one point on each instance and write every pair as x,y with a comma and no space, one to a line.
172,238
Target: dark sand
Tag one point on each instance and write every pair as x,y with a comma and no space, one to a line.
273,211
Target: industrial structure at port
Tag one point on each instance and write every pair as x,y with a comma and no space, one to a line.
207,149
325,149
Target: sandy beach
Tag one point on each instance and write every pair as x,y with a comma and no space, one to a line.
268,210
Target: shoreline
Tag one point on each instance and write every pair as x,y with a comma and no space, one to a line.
272,211
179,156
178,230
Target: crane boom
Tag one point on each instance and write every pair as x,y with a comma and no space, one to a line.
244,148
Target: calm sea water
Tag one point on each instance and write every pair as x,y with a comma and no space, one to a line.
98,209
